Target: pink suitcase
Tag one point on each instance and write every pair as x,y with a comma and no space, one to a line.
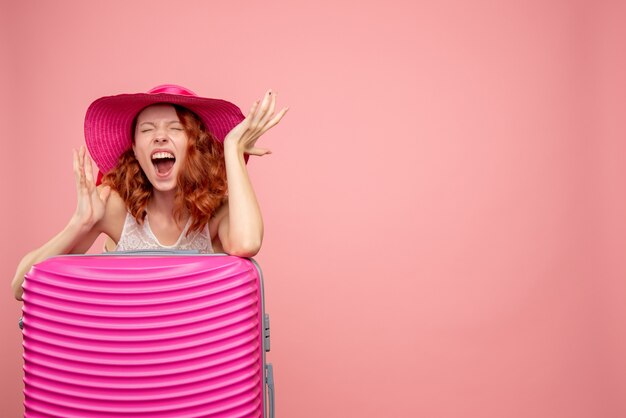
146,335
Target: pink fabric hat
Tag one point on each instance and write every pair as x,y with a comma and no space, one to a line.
108,121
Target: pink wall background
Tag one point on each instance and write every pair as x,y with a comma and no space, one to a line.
444,207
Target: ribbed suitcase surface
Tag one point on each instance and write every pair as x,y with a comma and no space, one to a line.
144,336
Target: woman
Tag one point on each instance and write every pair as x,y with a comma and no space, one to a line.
175,176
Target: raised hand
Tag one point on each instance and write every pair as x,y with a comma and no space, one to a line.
258,121
91,201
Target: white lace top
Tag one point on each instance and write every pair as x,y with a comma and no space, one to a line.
140,237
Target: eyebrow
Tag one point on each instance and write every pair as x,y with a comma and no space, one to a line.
152,123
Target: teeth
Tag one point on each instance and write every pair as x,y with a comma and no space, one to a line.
158,155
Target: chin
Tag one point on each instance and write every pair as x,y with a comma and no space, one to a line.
163,186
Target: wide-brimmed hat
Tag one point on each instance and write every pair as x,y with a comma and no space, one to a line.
108,121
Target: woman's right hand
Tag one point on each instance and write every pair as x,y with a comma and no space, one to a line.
91,201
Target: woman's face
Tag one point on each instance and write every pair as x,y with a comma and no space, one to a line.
160,145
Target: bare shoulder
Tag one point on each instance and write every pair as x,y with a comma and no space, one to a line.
114,215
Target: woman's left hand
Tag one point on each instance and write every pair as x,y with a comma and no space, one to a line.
259,120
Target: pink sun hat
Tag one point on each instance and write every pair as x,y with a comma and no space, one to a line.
108,121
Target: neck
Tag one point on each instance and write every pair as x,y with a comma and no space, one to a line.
162,203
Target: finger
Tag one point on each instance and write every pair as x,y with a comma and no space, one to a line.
89,174
262,109
81,156
270,110
258,151
83,176
246,121
275,120
244,125
76,169
81,169
252,111
253,108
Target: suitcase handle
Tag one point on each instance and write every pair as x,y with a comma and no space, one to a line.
270,387
152,252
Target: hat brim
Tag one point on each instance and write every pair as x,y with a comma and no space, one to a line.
108,121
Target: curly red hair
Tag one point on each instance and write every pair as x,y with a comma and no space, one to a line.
201,182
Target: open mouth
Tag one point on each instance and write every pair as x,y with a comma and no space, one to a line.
163,162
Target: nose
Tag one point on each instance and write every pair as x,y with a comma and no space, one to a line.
160,139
